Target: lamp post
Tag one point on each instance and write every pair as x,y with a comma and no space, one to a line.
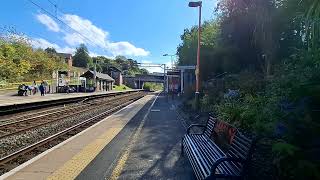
197,4
95,76
172,55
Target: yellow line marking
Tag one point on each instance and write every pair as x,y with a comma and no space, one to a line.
72,168
123,159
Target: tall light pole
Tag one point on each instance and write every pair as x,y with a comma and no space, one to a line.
95,76
197,4
172,55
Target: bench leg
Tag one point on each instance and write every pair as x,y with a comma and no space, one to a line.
182,153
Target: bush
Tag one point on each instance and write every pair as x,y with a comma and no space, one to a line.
286,113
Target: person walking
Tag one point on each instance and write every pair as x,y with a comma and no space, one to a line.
35,88
41,88
25,90
30,88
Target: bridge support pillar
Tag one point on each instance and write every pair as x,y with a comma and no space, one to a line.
181,80
139,84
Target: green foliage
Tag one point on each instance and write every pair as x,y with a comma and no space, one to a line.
127,66
19,62
121,88
82,58
152,86
50,50
270,51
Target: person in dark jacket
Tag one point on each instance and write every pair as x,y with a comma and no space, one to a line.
41,88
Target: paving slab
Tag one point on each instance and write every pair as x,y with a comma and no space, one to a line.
149,152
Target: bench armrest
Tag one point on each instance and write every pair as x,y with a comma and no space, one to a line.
226,159
194,125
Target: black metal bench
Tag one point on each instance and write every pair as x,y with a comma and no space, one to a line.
220,151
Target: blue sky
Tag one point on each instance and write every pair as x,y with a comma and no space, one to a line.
143,29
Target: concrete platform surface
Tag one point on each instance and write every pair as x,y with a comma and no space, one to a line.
6,100
147,148
68,159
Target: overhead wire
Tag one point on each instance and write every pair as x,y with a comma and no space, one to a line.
61,21
59,9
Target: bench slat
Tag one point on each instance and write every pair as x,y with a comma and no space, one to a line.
194,165
212,153
204,167
203,152
208,151
239,137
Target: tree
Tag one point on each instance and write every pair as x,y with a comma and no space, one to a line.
50,50
20,62
82,58
270,49
103,64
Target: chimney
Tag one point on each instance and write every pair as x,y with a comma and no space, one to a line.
69,59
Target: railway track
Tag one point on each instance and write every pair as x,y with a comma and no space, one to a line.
18,157
24,116
24,124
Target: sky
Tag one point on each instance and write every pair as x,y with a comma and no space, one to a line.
143,30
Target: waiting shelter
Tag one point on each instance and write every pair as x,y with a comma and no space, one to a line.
98,81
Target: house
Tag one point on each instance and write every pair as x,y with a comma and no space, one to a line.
68,59
103,82
68,76
116,74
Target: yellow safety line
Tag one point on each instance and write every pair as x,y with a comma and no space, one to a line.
72,168
123,159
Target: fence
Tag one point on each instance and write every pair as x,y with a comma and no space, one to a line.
14,86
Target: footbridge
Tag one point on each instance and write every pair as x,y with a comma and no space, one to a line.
138,80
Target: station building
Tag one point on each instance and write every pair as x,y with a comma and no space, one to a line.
102,82
116,74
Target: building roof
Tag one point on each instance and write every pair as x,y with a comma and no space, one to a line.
65,55
98,75
79,69
113,68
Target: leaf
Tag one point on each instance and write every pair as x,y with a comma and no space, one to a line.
283,148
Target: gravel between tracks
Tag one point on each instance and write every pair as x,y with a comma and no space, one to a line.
14,143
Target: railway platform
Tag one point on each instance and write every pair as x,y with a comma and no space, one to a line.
140,141
8,100
10,104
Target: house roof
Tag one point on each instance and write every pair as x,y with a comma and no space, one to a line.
98,75
79,69
113,68
65,55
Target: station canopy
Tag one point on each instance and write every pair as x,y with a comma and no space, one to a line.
90,74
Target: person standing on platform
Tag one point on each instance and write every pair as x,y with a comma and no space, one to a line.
41,88
30,88
45,85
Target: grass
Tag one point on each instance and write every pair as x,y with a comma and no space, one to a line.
120,88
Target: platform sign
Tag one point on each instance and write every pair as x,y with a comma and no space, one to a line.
173,73
174,81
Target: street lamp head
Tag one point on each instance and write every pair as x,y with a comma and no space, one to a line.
195,4
166,55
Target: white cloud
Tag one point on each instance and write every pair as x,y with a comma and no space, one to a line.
125,48
87,29
92,35
43,44
49,22
93,54
73,39
96,36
